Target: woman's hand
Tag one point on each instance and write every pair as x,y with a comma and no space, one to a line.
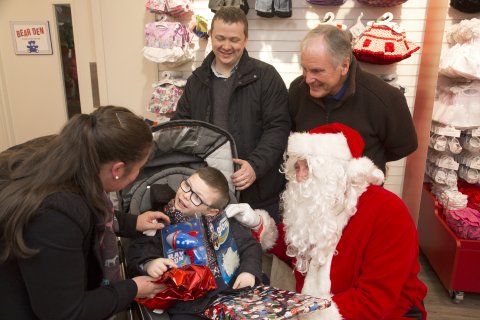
152,220
146,287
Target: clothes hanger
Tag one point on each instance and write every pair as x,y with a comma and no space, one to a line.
358,28
328,19
386,21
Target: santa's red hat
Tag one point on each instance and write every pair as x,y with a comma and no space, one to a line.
333,140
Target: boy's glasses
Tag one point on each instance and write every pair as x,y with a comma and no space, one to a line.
196,200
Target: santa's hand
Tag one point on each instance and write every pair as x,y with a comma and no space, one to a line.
243,280
244,214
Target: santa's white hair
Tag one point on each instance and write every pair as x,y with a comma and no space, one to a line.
317,209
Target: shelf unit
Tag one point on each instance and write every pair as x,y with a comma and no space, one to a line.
456,261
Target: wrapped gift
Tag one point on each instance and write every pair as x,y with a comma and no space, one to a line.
183,243
220,236
263,302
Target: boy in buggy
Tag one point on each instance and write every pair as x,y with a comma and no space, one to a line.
181,147
205,192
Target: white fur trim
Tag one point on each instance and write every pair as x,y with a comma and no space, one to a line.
317,283
363,170
317,280
269,235
327,144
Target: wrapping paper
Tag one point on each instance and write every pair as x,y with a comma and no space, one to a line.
186,283
263,302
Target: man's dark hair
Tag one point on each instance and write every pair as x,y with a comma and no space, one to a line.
231,15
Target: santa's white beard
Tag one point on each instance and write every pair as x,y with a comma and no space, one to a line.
316,211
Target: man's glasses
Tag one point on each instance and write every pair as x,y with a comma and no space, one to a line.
196,200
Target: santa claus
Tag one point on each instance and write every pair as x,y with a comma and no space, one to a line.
348,239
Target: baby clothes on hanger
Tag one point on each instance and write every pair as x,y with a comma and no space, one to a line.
168,43
174,8
462,58
166,34
383,42
166,93
214,5
382,3
270,8
458,105
327,2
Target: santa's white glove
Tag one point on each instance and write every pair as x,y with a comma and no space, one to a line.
244,214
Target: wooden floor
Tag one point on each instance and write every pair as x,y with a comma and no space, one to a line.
438,303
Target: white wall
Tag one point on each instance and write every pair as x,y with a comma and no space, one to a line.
31,87
276,41
111,33
127,75
6,128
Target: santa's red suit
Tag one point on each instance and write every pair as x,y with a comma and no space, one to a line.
370,268
382,288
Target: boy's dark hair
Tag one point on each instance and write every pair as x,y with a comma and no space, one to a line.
215,179
231,15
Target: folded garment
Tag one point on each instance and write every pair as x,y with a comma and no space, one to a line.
464,222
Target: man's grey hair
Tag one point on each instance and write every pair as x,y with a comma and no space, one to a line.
338,43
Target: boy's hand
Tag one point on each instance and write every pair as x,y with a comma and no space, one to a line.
243,280
157,267
150,221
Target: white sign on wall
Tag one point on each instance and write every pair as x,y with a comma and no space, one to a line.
31,37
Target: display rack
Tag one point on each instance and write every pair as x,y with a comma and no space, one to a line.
456,261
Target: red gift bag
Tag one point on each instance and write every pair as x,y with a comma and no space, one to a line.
186,283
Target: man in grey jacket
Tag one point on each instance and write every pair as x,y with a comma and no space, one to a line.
249,99
333,88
